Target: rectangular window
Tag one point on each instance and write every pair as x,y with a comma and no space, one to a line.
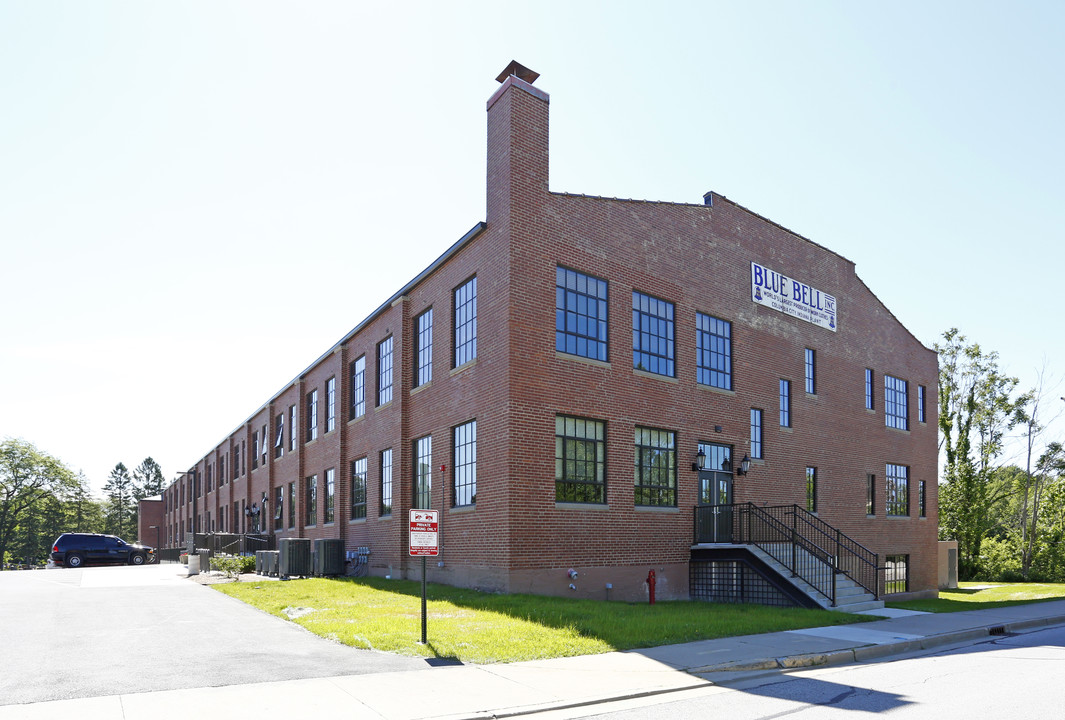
898,490
265,442
580,314
312,415
386,482
580,460
423,472
811,489
330,495
330,404
279,508
279,435
222,470
920,403
358,489
652,334
920,498
384,372
292,432
255,450
236,462
897,574
713,351
464,451
785,403
466,322
870,494
756,434
243,457
868,389
423,343
656,467
358,388
811,372
292,504
310,500
896,412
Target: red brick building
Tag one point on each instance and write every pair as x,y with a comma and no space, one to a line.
550,382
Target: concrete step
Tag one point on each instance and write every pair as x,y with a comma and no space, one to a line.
860,607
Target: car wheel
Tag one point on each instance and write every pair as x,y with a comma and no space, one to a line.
136,559
75,560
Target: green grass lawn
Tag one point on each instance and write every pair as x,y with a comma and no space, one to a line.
481,627
980,595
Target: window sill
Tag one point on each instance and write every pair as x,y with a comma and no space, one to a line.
898,430
713,389
357,418
357,521
462,508
463,367
581,359
668,510
656,376
414,391
581,506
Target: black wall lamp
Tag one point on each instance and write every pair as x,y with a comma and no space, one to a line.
745,466
700,461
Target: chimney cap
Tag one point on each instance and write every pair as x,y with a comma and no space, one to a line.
516,68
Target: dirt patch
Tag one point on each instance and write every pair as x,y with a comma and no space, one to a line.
215,577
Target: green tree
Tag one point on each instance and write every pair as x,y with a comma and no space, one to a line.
84,513
148,480
120,513
28,476
976,408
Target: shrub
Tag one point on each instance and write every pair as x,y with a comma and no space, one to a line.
999,561
233,565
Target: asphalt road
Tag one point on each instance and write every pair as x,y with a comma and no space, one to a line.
88,632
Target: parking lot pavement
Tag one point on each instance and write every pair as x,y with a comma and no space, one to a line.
95,631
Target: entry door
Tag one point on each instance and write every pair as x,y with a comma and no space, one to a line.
715,489
717,493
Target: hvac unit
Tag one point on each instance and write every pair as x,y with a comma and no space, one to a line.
270,562
294,557
328,557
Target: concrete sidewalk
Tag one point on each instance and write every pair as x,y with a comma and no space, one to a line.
486,691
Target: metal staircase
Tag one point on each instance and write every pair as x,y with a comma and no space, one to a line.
830,568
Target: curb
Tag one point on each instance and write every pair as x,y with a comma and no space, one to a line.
873,652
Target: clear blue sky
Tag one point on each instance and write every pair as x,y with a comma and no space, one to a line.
184,185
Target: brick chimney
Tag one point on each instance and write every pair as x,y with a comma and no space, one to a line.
517,145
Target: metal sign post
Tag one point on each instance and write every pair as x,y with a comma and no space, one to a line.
424,542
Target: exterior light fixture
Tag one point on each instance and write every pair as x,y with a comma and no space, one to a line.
745,466
700,460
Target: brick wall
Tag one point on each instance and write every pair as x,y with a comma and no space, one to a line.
516,537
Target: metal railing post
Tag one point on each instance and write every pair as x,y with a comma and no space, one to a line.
794,537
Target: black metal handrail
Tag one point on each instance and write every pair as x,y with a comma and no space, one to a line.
806,545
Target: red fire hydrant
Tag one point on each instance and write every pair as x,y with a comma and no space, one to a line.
651,585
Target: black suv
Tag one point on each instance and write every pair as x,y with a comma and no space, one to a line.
76,549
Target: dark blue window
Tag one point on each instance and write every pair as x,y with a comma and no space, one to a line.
580,314
713,345
652,335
